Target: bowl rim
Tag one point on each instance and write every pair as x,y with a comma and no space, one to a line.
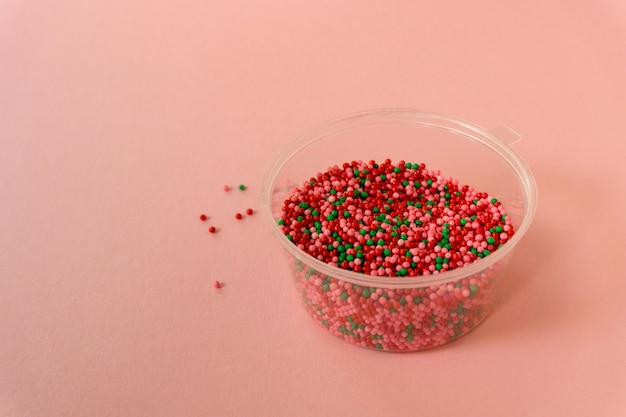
402,115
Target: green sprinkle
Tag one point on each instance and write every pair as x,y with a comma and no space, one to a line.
369,242
242,187
463,222
330,247
326,287
344,296
376,209
486,252
366,292
491,240
429,182
397,169
415,166
410,337
403,272
304,205
315,213
281,222
499,229
289,237
494,200
346,214
378,346
418,222
387,252
417,300
380,242
350,258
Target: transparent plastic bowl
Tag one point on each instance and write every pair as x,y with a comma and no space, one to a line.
402,313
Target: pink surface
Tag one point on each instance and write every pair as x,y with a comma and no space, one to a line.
120,122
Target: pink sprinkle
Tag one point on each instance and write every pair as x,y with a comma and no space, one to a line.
226,188
217,284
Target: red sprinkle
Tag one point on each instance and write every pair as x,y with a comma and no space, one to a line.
238,216
203,217
226,188
249,212
212,229
217,284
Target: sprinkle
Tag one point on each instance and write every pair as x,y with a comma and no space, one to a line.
242,187
226,188
217,284
249,212
394,220
203,217
238,216
212,229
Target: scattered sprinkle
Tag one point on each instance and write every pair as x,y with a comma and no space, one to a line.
212,229
238,216
242,187
203,217
249,212
226,188
217,284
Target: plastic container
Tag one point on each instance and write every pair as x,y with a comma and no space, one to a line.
402,313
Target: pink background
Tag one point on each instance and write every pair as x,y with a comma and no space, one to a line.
121,121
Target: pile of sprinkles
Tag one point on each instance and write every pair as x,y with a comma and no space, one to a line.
394,220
